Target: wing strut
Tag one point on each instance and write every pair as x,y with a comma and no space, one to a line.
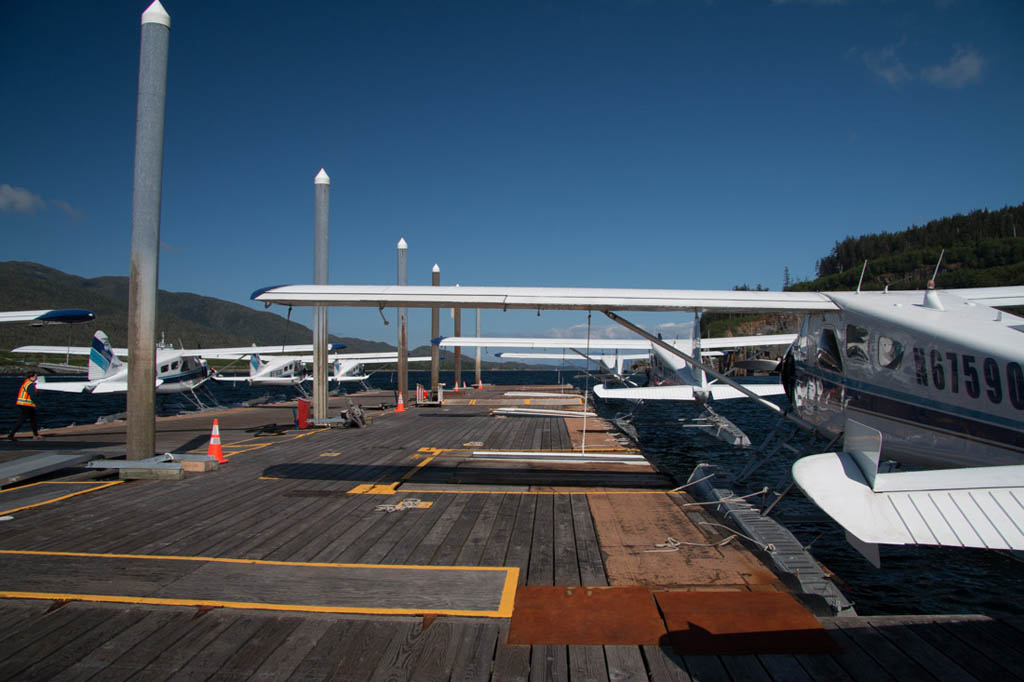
713,372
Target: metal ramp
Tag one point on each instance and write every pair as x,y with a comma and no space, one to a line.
31,466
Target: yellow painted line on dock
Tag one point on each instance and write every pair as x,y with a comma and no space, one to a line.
329,454
504,609
94,486
541,492
391,488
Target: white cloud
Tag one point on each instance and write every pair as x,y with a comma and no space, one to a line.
19,200
885,63
73,213
964,67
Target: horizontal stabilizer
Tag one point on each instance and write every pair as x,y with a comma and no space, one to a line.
41,317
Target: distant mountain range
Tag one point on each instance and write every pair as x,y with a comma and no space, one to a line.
186,320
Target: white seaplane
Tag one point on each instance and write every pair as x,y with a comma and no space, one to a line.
178,370
926,378
293,370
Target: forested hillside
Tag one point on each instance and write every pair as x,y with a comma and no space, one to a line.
981,249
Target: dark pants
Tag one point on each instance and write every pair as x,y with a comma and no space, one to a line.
28,413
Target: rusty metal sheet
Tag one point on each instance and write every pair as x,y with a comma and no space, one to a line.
585,616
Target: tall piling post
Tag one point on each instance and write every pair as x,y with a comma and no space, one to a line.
321,215
435,331
145,242
403,323
458,349
479,379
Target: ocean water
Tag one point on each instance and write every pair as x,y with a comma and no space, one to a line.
912,580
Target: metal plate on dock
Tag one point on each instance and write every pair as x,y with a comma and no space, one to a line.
741,623
249,584
24,468
585,616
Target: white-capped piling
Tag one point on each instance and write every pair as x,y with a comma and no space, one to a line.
321,214
479,379
403,319
435,331
145,242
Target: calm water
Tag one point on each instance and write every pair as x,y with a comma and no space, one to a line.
912,580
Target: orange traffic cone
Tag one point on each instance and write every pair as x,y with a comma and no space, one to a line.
215,450
480,384
400,407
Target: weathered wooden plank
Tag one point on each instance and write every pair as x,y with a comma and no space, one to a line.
401,653
361,653
665,665
973,660
36,635
323,657
100,657
248,657
100,624
476,652
786,667
588,547
822,668
501,532
549,664
706,669
476,541
990,640
746,668
424,552
929,657
440,647
895,661
177,653
625,664
542,558
853,659
290,651
522,537
566,564
587,663
210,658
511,663
451,546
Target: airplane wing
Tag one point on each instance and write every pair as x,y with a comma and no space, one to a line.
748,341
370,358
41,317
544,298
685,393
992,296
966,507
516,342
607,359
64,350
94,387
241,352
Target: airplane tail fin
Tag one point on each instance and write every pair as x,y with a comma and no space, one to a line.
102,361
254,363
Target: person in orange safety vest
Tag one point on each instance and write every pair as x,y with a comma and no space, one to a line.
27,406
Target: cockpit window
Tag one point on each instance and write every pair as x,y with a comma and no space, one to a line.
890,352
828,350
856,342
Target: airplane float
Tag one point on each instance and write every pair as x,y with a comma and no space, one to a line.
925,378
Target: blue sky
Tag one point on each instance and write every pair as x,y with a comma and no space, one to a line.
646,143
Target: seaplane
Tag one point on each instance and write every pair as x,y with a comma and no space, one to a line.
292,370
666,376
178,370
931,379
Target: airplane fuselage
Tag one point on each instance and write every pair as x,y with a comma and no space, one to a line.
945,386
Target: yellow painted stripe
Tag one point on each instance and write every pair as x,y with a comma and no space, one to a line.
543,492
473,401
265,562
504,610
98,486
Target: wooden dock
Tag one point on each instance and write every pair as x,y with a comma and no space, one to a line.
419,549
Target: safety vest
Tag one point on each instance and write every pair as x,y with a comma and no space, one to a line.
23,397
